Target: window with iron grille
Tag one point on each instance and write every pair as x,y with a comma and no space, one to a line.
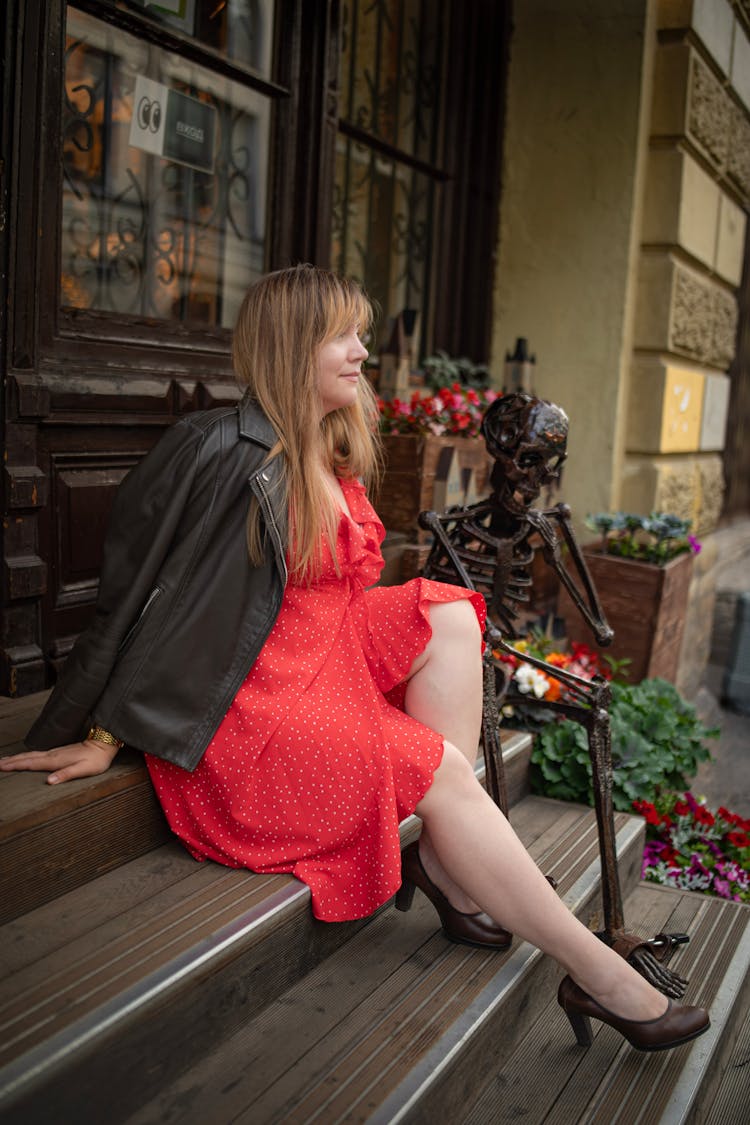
417,161
165,159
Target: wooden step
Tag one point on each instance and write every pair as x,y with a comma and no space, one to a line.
732,1098
398,1024
415,1046
200,1019
56,838
612,1082
161,957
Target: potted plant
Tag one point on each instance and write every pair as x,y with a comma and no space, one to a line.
658,742
415,433
641,568
442,370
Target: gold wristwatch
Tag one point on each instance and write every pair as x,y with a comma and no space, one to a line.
99,734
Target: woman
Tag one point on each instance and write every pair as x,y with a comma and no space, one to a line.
290,716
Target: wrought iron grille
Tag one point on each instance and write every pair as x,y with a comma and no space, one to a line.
143,234
387,191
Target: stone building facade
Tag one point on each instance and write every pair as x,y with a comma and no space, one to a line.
627,183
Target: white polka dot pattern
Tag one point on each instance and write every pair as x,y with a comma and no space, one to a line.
315,763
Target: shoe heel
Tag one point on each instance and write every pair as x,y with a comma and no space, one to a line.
582,1027
405,895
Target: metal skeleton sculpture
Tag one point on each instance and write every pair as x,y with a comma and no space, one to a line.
485,547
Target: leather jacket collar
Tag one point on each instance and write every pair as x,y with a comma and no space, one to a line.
253,423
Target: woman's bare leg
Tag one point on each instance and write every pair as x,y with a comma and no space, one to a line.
481,853
444,692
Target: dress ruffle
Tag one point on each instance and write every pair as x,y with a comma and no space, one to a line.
316,762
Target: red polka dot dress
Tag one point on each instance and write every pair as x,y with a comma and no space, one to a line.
315,763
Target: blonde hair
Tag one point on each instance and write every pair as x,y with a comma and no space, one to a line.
284,319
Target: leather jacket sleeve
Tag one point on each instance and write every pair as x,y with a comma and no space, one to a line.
147,511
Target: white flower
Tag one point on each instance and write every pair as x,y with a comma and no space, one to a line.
531,681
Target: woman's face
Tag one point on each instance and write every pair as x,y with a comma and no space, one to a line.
340,362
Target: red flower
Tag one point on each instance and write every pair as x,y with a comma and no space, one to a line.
730,817
703,816
647,810
739,839
682,808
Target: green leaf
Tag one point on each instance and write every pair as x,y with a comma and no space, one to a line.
657,743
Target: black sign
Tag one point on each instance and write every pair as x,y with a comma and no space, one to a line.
189,131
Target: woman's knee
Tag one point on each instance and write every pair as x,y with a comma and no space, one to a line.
455,623
455,637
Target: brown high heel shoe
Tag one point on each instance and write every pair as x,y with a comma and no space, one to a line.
465,929
679,1024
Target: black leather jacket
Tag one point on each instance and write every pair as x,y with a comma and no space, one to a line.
181,613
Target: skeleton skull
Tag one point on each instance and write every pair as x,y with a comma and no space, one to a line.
527,438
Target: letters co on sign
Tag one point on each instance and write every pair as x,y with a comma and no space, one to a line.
170,124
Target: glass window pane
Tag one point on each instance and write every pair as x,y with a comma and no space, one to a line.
388,183
177,237
391,68
240,29
382,219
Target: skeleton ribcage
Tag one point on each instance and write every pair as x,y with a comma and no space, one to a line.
465,552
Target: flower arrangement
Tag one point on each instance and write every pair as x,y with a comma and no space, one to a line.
452,410
581,661
656,538
692,849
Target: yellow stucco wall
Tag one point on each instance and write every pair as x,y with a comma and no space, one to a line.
574,162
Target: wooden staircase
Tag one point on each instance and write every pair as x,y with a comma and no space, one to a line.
142,987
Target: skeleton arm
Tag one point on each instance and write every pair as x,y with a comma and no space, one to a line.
586,599
431,521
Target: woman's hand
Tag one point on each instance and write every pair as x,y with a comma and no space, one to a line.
78,759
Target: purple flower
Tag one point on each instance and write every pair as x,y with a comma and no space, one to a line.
695,546
721,886
696,867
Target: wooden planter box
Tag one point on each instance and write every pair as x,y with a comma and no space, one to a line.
645,605
411,462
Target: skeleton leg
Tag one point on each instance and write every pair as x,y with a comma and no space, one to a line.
493,754
600,751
